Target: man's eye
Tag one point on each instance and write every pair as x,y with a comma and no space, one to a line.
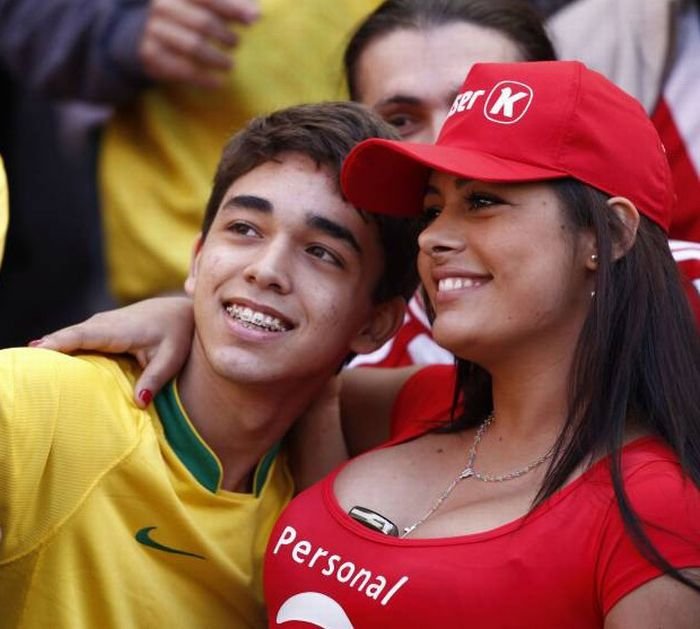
399,120
405,124
243,229
317,251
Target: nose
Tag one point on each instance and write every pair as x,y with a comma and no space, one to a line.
270,268
437,118
440,238
429,129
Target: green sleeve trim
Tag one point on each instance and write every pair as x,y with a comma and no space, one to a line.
263,469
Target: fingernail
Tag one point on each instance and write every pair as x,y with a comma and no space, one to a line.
145,396
36,342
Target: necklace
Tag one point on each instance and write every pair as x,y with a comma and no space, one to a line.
468,471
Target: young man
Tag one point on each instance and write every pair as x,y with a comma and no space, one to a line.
116,516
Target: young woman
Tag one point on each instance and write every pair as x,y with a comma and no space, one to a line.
565,491
406,61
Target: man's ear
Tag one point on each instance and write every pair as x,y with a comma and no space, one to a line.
191,280
385,320
628,215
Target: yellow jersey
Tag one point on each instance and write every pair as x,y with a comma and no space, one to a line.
160,152
113,516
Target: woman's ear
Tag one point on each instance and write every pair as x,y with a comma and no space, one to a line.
385,320
191,280
628,216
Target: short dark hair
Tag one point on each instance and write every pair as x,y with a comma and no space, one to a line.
514,19
636,360
325,132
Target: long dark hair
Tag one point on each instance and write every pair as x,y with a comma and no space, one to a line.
637,362
515,19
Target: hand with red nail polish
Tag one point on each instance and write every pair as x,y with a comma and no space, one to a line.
145,397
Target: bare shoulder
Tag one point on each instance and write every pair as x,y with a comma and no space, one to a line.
366,400
661,602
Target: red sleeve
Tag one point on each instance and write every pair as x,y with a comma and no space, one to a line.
424,400
687,257
669,506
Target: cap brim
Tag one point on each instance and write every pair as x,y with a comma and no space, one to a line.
390,177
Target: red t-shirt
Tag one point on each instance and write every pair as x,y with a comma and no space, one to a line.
566,565
677,119
687,257
413,344
326,570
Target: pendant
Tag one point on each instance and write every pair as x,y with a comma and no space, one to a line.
466,473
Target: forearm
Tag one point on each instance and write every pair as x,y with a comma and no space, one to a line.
85,49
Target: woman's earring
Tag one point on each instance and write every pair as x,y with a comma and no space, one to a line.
594,261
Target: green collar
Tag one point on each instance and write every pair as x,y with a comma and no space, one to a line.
192,451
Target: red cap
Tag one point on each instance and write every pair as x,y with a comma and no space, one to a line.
514,122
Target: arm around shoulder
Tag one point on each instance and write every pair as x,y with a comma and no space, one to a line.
79,50
367,399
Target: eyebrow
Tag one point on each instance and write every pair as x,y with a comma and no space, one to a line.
399,99
334,230
249,202
406,99
320,223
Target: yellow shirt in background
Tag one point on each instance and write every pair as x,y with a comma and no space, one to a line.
160,152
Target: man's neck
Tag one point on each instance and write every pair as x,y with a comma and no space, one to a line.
240,422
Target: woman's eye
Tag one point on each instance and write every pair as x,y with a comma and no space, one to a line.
478,200
429,214
317,251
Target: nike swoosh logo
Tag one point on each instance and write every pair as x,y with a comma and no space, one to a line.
143,536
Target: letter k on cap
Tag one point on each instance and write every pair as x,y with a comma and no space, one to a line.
507,102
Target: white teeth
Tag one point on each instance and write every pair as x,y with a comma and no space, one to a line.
252,318
455,283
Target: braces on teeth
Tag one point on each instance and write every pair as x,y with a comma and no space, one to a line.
252,318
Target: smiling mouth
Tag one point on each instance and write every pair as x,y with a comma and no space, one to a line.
456,283
256,320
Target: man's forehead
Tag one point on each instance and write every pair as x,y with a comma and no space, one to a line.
297,158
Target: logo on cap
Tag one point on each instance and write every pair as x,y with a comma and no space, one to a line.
508,101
